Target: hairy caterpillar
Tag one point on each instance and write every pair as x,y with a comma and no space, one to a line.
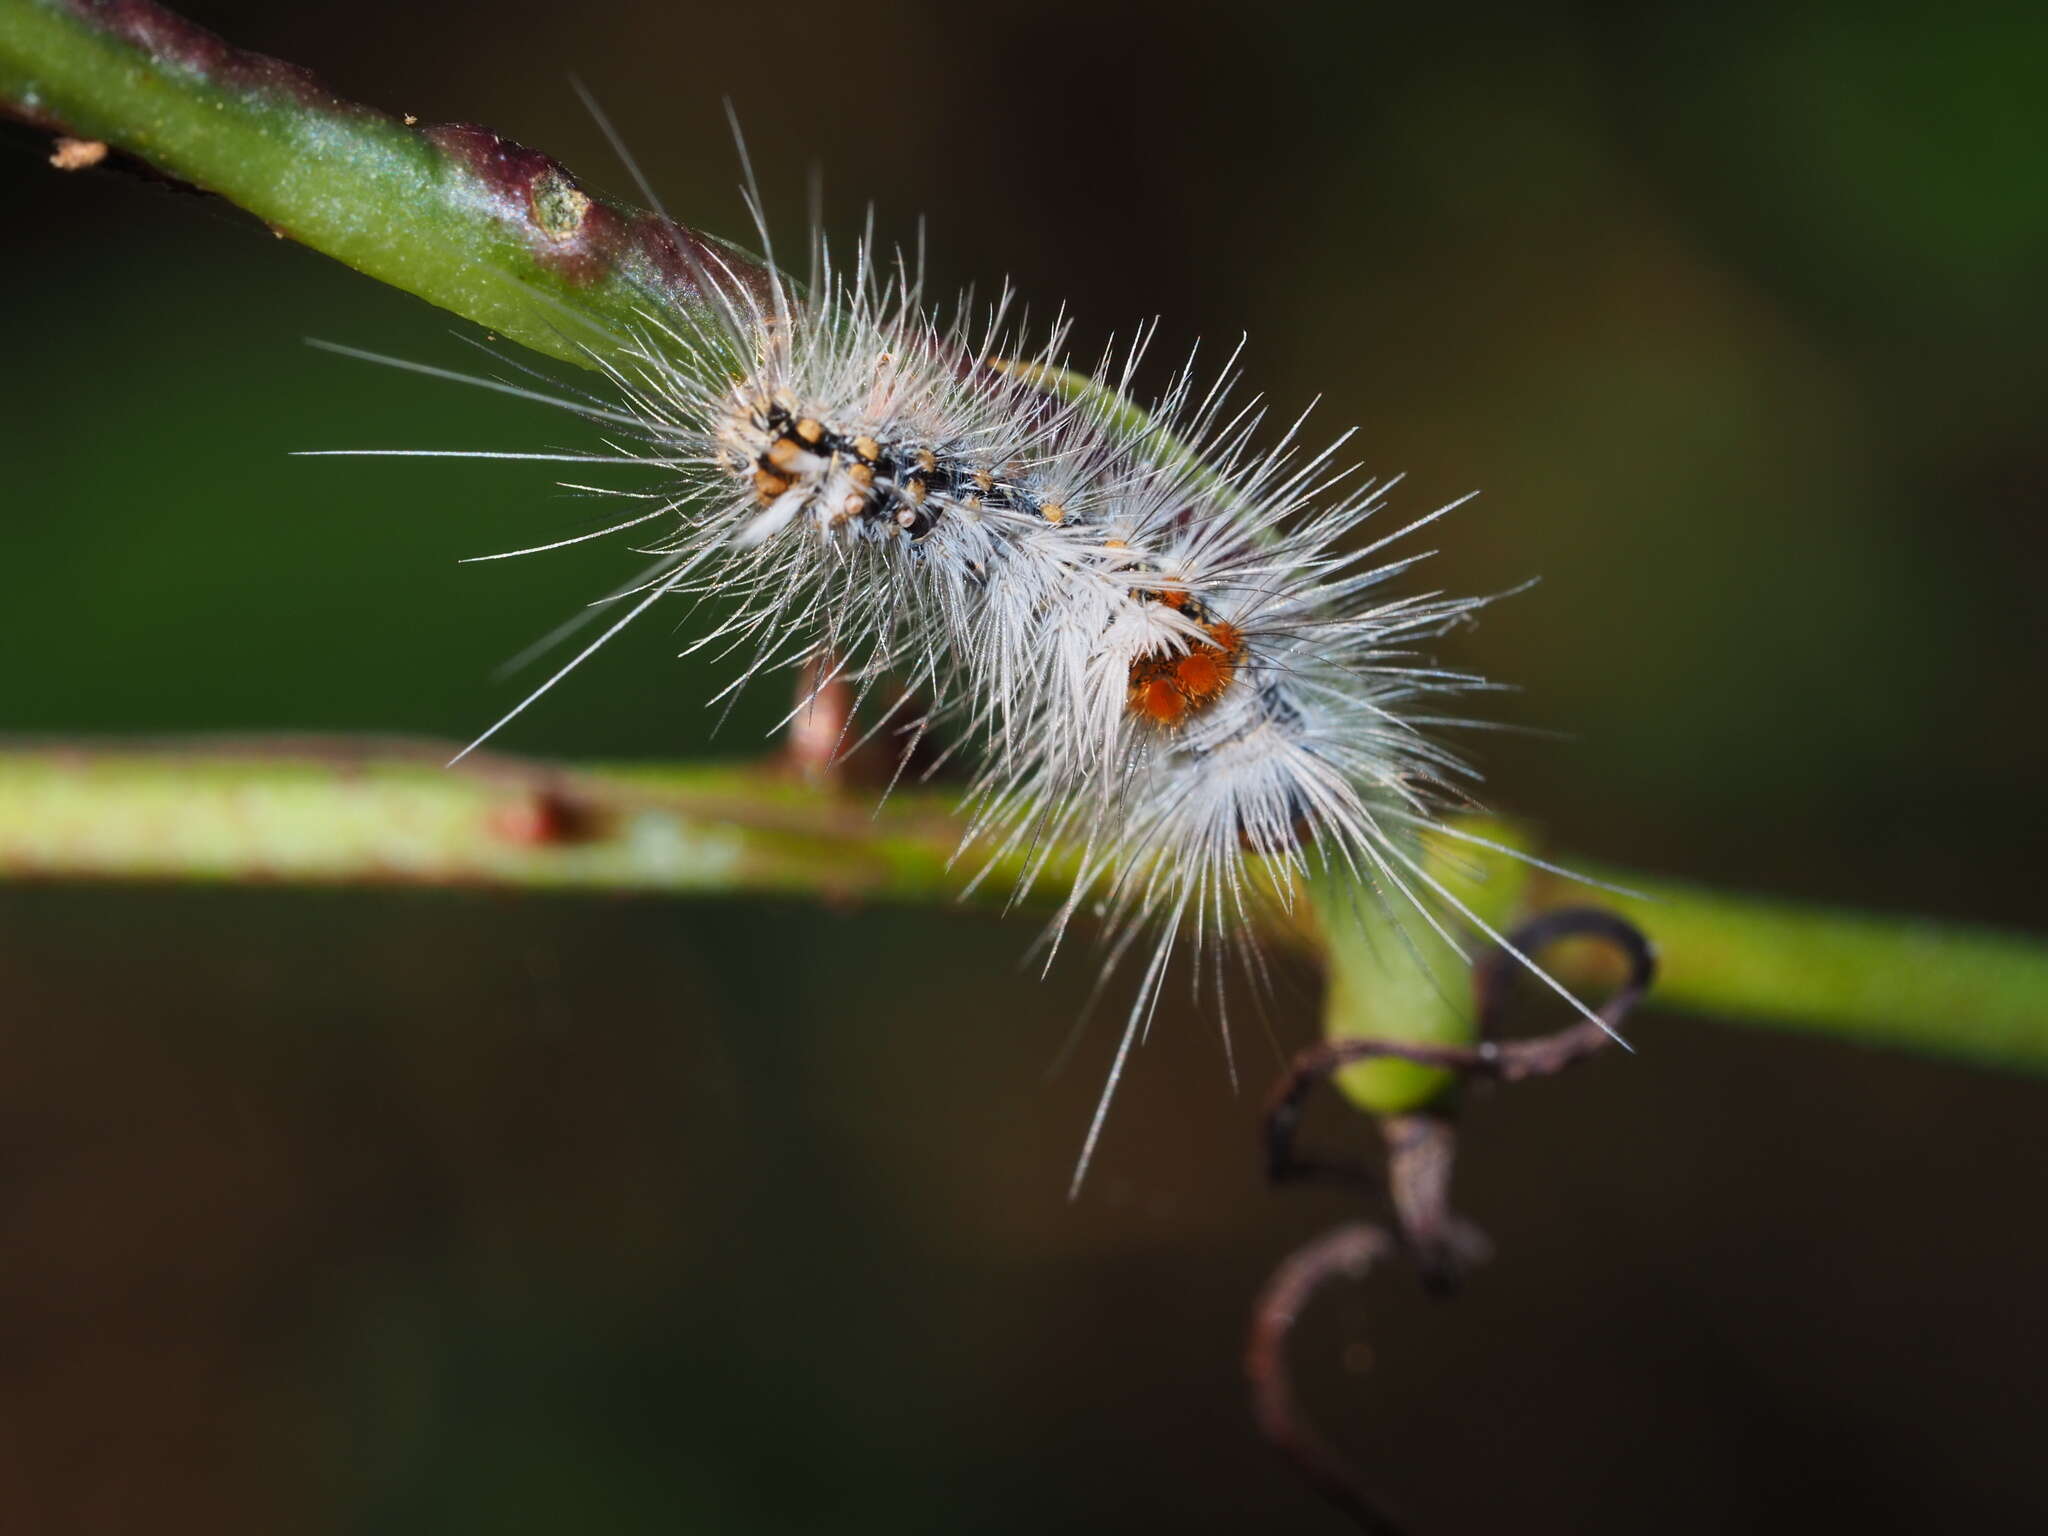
1153,630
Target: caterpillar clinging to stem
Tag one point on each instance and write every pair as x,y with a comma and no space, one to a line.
1163,637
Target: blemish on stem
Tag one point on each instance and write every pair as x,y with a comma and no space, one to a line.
558,204
543,818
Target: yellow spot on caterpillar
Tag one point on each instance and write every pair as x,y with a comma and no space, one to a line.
1053,512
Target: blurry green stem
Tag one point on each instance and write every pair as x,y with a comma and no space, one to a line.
325,813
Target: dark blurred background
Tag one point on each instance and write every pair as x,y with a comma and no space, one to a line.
437,1212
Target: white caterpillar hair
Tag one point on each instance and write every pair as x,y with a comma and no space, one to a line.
1159,636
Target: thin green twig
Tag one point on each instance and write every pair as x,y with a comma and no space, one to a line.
490,229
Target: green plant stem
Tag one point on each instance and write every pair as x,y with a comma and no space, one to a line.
379,815
477,224
1390,978
1911,983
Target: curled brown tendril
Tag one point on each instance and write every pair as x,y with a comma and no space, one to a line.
1420,1152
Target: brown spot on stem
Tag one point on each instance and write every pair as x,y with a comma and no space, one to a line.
541,819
